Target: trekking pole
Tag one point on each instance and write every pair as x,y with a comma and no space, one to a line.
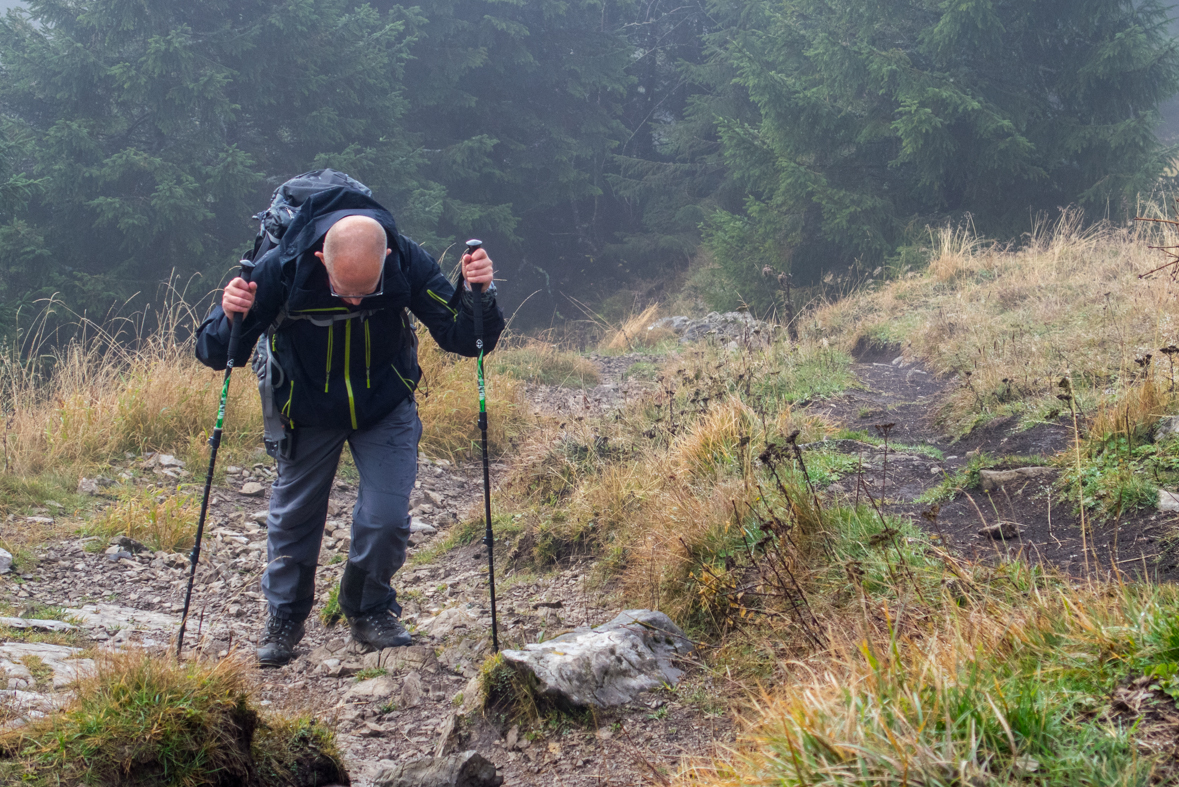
235,335
488,536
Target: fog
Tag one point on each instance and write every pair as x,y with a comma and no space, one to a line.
607,154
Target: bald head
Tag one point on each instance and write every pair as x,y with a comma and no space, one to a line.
354,252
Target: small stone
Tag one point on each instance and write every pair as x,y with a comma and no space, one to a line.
378,688
1000,532
36,625
87,486
1166,428
128,544
513,737
260,517
411,691
233,470
39,520
450,736
370,730
418,526
1026,764
993,479
1168,501
466,769
252,489
5,561
167,460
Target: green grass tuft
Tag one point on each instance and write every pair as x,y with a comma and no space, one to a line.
148,720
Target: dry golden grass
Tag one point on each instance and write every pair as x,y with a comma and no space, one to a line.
448,404
162,522
714,442
654,488
536,361
75,407
632,332
1011,323
666,546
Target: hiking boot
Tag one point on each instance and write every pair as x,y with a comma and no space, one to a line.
379,630
278,643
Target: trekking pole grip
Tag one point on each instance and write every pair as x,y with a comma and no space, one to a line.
473,246
235,329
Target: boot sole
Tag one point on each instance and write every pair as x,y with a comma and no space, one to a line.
374,646
272,663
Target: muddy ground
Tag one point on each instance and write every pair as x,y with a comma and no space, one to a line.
906,395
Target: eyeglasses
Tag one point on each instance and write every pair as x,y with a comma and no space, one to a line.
378,291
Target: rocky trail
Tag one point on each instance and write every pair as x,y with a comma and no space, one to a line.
401,705
391,707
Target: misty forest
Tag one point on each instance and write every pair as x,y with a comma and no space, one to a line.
829,433
598,147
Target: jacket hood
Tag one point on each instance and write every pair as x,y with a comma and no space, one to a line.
310,289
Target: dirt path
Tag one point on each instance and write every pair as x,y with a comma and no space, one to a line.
392,710
921,457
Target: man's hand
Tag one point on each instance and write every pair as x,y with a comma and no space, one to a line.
239,297
477,269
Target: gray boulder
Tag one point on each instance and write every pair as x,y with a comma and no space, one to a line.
604,666
1166,428
466,769
727,327
676,325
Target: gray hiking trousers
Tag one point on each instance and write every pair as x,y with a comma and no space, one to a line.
386,456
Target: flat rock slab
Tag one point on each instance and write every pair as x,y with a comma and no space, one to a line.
605,666
113,617
447,622
17,658
36,625
466,769
394,660
378,688
20,706
993,479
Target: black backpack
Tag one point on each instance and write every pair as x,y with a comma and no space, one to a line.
273,223
288,198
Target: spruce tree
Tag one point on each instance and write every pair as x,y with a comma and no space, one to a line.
873,116
143,135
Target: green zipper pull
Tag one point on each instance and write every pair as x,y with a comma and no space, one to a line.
327,376
368,357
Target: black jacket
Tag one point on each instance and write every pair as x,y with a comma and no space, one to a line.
346,373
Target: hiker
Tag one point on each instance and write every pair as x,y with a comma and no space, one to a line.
331,299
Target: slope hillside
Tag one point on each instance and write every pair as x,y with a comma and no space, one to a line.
927,542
